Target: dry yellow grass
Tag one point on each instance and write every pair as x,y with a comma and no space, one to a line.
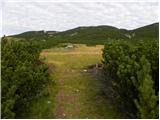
79,49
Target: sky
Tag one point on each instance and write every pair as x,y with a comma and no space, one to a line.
18,16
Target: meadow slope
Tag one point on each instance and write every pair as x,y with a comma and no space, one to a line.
78,92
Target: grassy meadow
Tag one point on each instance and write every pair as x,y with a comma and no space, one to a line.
77,94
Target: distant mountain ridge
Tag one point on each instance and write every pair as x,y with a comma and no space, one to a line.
151,30
97,34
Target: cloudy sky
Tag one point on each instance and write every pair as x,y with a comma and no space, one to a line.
24,15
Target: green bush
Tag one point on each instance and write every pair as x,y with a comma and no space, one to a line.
147,100
23,76
123,60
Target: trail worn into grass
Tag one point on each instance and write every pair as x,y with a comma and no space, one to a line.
79,94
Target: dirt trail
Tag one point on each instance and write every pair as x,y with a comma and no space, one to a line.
79,93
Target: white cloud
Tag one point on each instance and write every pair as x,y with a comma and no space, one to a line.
23,16
81,0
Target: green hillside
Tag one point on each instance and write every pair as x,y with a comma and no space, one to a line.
149,31
91,35
31,35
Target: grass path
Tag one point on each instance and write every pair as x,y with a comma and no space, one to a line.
73,92
78,95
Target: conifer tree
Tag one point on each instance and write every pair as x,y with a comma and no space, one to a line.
147,102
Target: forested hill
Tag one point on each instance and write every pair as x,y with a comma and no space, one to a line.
104,32
92,34
147,31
